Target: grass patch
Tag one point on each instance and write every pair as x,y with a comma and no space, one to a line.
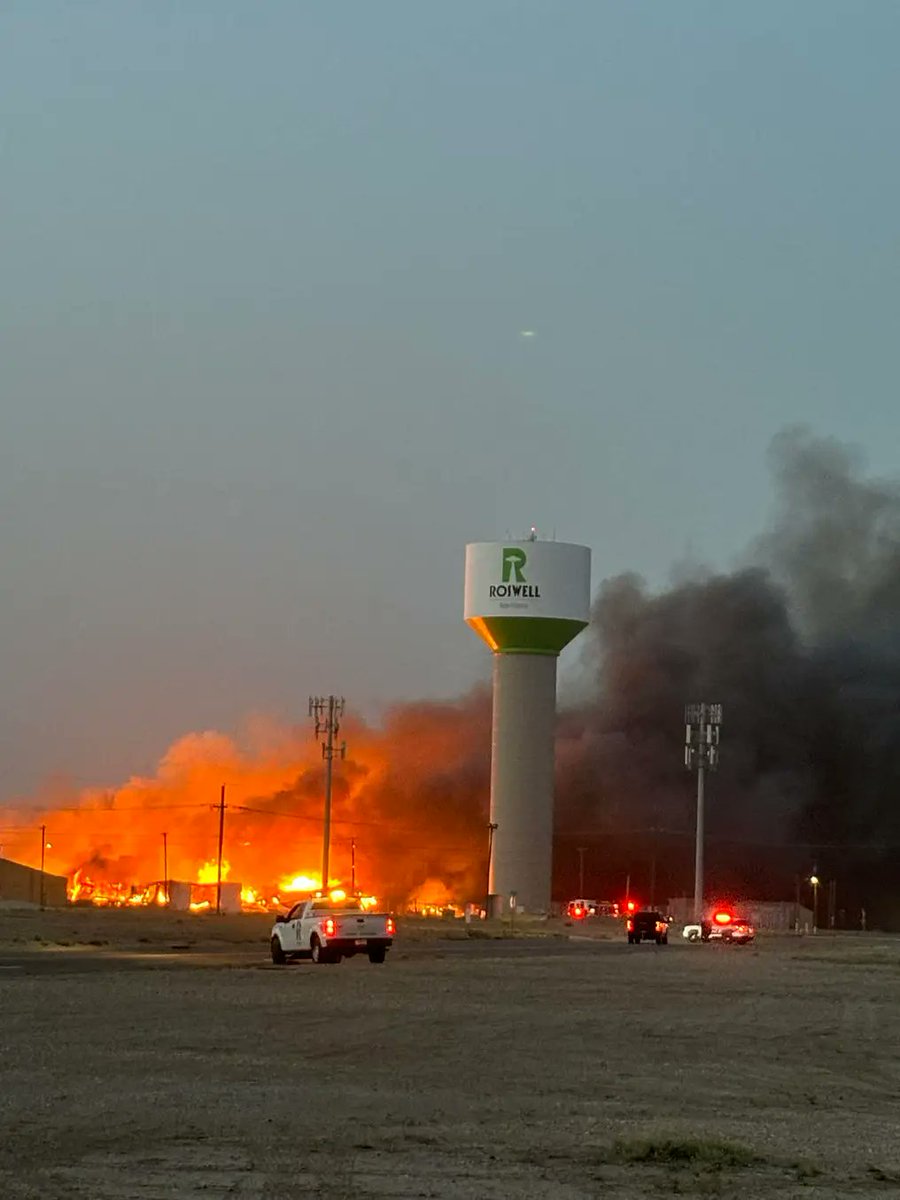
708,1154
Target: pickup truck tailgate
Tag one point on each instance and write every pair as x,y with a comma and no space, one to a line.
360,925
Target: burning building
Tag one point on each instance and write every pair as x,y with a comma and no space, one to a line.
404,821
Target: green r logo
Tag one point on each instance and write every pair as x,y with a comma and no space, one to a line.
514,561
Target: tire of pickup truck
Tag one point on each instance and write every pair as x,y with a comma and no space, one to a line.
377,954
278,955
316,953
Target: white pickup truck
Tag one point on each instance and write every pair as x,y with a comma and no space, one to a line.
328,930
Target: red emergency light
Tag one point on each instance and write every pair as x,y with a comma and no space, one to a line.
722,918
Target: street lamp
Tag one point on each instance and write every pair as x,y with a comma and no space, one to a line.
814,880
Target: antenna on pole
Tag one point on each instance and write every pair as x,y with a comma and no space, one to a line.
326,712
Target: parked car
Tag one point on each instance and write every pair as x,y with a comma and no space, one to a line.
724,927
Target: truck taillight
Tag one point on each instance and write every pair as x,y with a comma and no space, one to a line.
329,926
389,926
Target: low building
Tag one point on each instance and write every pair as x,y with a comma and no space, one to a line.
25,885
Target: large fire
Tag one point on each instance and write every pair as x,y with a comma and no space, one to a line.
408,824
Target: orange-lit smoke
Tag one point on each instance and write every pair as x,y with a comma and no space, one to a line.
412,795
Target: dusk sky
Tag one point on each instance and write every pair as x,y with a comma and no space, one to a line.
266,270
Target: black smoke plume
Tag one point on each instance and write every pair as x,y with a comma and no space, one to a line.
802,648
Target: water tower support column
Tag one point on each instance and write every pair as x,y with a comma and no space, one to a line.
522,769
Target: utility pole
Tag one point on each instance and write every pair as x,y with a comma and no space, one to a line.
353,866
581,853
165,838
43,848
701,753
327,711
221,842
832,902
492,829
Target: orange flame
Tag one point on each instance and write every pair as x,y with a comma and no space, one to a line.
209,872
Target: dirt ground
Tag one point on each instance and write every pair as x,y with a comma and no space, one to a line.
173,1060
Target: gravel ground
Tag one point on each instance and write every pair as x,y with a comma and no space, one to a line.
469,1069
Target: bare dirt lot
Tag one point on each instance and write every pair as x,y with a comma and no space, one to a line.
172,1060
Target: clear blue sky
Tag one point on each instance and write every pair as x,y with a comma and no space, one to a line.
265,268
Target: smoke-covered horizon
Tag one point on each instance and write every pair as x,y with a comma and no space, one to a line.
800,644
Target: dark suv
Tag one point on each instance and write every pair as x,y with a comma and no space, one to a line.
647,926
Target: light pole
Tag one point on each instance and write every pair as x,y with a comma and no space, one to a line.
701,753
814,880
43,848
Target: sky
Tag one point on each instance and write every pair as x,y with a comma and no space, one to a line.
266,268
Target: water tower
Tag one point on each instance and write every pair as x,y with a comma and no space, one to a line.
527,600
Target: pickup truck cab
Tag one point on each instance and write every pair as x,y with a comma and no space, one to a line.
328,930
647,926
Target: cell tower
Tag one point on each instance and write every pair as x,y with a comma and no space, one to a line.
701,753
526,599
